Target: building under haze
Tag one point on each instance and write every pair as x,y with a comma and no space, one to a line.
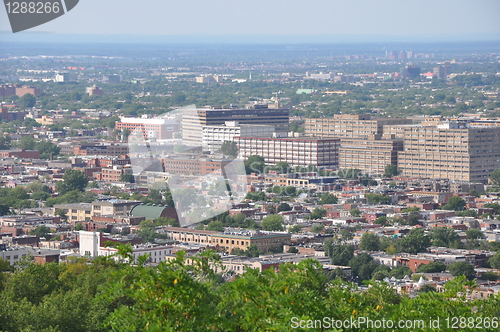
155,128
323,153
451,151
370,155
349,125
214,136
193,120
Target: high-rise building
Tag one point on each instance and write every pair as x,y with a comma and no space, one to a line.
370,155
450,151
322,153
193,120
214,136
349,125
112,78
94,91
441,71
158,128
62,77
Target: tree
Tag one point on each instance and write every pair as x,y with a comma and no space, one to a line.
62,214
292,250
295,229
363,266
491,276
79,227
456,203
328,198
282,167
377,199
317,213
427,288
474,234
317,228
155,196
369,242
229,148
147,231
127,178
284,207
215,225
47,149
5,142
494,261
414,242
5,266
26,143
494,206
355,212
391,250
462,269
40,231
495,177
73,180
254,164
432,267
381,221
391,170
444,237
341,254
272,223
4,210
27,101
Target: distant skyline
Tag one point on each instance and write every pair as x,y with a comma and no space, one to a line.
354,18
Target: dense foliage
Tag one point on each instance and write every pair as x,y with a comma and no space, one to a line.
111,296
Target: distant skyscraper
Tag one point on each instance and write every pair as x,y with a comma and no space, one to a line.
62,77
112,78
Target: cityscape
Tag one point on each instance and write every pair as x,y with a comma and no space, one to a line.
241,186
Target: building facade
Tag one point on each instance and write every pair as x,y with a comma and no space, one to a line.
369,155
450,151
214,136
193,120
295,151
150,128
350,125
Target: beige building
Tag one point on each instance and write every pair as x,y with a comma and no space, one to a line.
369,155
450,151
76,211
193,120
244,239
350,125
303,151
85,211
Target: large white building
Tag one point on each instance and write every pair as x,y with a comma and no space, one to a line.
156,128
214,136
92,245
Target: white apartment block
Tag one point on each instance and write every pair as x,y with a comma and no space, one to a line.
214,136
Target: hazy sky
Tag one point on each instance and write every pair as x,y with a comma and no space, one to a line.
356,17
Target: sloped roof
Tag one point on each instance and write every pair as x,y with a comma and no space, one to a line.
151,212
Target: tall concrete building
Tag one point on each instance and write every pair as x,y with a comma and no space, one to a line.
193,120
304,151
350,125
156,128
370,155
214,136
450,151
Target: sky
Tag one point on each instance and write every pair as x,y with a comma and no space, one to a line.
275,17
